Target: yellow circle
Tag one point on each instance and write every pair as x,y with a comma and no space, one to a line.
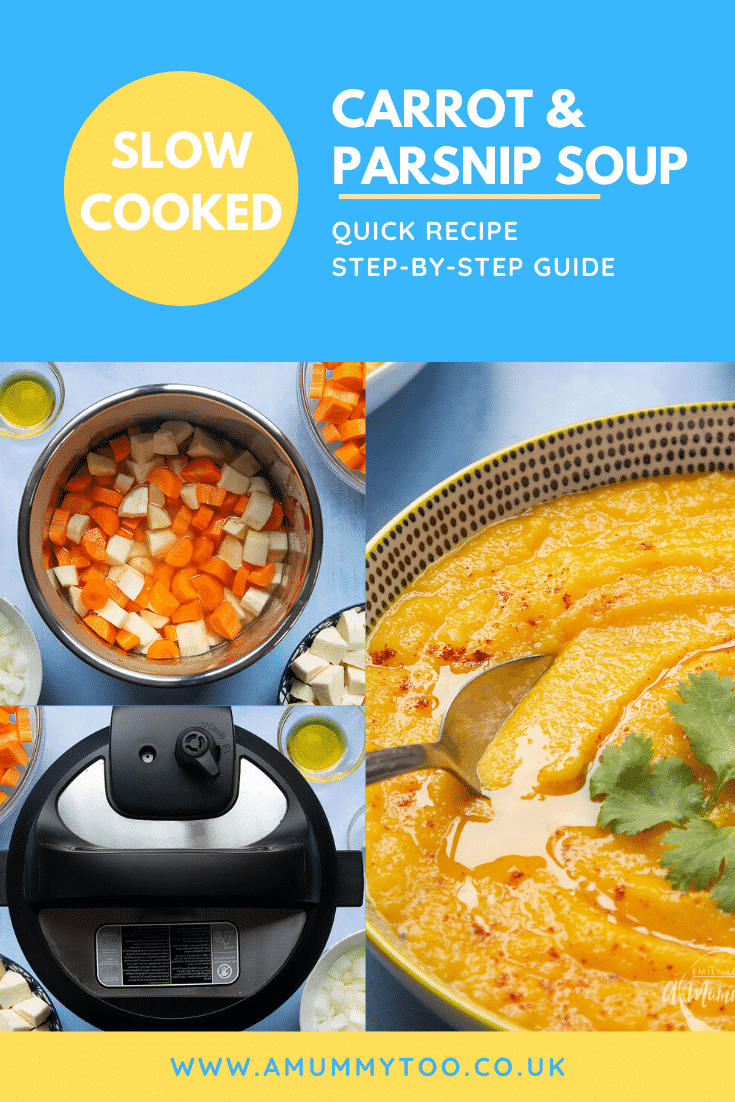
181,119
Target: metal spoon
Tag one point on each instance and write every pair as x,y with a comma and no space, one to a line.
472,720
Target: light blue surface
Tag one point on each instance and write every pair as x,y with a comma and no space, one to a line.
454,414
269,388
340,799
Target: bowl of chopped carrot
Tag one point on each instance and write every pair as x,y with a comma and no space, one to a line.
21,739
170,535
332,396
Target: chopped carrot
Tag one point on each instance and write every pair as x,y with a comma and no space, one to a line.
219,569
211,592
116,594
103,627
331,409
341,394
210,495
361,467
57,529
95,594
350,455
162,648
202,470
242,503
170,632
93,573
47,560
79,482
95,544
230,499
240,582
127,528
63,556
120,446
164,573
13,754
77,503
182,520
107,518
181,584
23,725
353,430
162,600
105,479
202,517
126,639
168,481
275,519
262,575
10,777
180,554
203,549
106,496
224,620
318,379
216,528
350,376
192,610
330,432
78,559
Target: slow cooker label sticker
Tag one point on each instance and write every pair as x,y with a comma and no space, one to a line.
181,955
181,188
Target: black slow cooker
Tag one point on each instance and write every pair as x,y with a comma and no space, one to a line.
173,871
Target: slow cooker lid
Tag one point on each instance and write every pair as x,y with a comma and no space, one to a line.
143,906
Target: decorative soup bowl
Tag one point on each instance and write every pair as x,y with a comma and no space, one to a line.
608,544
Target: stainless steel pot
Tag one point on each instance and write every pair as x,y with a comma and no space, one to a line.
224,416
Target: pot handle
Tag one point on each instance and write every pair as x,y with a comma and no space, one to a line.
350,878
272,875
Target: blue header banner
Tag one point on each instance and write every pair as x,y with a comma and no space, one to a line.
475,182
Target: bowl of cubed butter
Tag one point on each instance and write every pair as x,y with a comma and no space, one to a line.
333,999
328,665
24,1005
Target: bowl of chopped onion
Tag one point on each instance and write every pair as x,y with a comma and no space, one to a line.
333,999
21,671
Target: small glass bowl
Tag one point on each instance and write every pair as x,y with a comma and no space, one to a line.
356,832
34,756
351,722
47,371
356,479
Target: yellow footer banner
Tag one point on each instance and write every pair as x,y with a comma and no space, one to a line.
120,1067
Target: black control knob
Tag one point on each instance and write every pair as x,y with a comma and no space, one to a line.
197,751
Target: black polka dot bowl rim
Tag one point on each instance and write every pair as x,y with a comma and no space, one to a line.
621,447
53,1021
284,688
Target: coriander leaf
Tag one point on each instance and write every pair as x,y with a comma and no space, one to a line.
707,715
697,857
639,796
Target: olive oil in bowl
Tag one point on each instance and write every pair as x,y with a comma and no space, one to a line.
324,743
30,399
316,745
